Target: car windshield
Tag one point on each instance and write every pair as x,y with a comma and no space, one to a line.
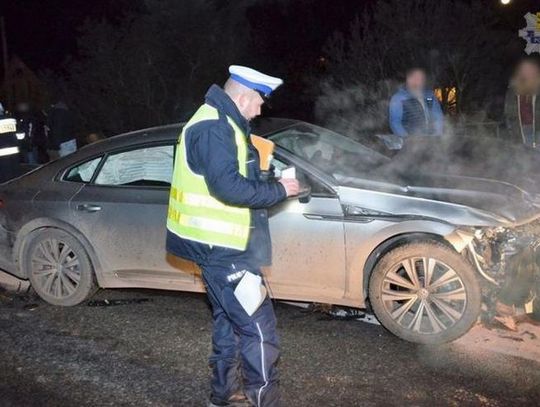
332,153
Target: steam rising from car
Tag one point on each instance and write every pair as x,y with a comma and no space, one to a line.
469,141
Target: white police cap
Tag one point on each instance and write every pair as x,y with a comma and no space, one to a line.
264,84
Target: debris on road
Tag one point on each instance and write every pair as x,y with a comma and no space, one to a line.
346,313
109,303
529,334
12,283
31,307
523,343
11,299
334,312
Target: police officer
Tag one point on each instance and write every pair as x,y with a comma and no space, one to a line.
217,218
9,150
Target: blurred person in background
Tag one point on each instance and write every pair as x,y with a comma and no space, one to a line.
93,137
30,133
522,107
21,114
61,138
40,137
414,109
522,121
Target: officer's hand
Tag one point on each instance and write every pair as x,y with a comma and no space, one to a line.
291,185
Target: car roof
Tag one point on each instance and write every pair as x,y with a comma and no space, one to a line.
170,132
267,125
260,126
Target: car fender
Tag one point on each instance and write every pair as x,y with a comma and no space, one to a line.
42,223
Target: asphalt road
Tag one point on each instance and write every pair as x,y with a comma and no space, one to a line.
155,354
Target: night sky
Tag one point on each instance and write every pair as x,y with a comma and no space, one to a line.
44,33
284,37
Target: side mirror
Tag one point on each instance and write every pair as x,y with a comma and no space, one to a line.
305,194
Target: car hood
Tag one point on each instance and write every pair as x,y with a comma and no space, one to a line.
487,158
478,174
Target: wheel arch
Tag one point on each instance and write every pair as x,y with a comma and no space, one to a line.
463,283
392,243
38,224
410,231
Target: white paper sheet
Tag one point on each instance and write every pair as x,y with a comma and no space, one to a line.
250,292
289,173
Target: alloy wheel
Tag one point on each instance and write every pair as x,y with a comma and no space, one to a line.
424,295
56,268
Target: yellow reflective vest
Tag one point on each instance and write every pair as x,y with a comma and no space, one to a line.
194,214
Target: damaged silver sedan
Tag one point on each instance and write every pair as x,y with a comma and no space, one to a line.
424,251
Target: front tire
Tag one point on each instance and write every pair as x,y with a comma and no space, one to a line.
58,267
425,292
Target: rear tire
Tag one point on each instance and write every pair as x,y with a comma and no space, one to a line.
425,292
58,267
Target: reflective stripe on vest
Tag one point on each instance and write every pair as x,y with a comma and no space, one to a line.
8,126
8,151
193,213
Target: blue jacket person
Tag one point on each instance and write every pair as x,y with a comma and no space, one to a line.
217,218
414,109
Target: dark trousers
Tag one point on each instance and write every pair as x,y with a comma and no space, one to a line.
245,348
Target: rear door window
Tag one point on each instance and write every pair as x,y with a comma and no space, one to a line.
83,172
148,166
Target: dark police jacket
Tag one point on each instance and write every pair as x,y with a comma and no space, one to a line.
211,152
8,163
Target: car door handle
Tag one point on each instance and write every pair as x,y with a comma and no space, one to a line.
88,207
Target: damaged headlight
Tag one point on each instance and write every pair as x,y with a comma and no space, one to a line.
497,251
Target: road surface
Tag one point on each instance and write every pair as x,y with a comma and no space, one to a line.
154,353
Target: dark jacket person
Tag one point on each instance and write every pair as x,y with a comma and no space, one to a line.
217,218
61,131
522,104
